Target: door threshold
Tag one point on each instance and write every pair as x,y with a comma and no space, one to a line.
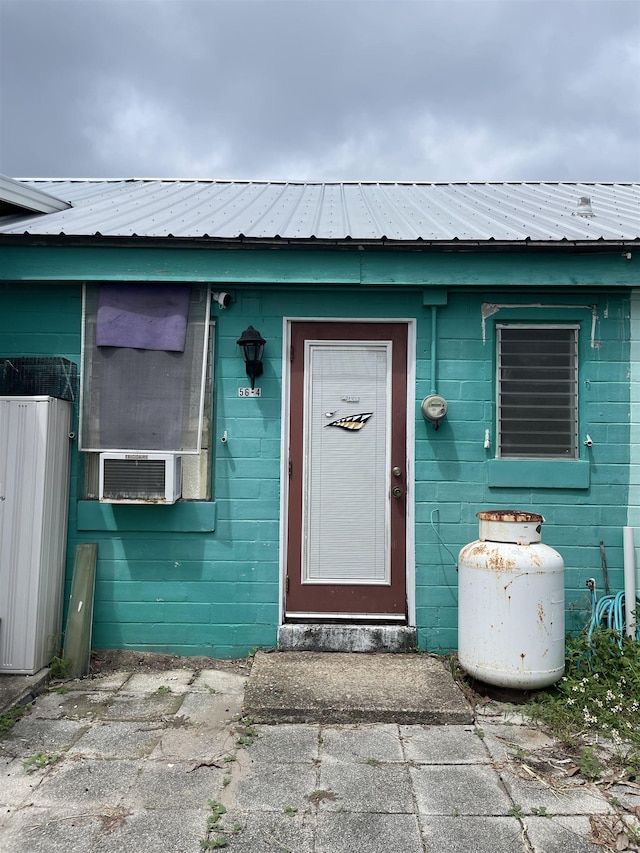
395,618
342,637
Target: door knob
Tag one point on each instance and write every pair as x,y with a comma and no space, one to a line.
396,491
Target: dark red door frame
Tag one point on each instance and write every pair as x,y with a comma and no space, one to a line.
348,598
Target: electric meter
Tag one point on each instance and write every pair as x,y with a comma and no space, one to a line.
434,408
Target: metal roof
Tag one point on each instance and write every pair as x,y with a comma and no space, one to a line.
26,198
336,211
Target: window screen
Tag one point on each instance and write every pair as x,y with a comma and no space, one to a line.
144,399
537,392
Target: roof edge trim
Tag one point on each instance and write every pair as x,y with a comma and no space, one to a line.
28,198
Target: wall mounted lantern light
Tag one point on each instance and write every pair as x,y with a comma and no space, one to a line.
252,344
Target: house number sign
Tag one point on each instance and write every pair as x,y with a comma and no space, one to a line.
249,392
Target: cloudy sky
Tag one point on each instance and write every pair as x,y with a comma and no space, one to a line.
429,90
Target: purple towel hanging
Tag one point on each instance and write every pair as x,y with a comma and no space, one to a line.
143,316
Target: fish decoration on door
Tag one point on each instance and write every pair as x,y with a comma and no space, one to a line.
351,422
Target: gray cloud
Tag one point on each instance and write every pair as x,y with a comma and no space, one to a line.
470,89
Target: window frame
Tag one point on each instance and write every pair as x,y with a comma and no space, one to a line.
575,425
84,444
191,459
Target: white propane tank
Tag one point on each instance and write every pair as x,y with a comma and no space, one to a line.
511,603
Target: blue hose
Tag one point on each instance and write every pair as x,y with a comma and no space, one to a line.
609,612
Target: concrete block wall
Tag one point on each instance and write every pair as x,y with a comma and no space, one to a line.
216,593
453,482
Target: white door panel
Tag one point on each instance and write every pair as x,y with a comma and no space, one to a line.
346,478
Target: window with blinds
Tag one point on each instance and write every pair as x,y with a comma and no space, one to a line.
537,392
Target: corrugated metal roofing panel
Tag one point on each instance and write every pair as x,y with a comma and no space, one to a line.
385,211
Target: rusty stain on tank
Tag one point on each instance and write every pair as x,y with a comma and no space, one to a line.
499,563
540,610
521,575
475,549
510,515
494,558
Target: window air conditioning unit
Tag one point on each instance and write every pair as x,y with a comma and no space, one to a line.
127,477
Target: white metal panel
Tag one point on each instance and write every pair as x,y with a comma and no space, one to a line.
512,212
346,490
34,482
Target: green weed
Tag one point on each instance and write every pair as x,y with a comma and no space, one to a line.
599,692
633,833
213,843
589,764
319,795
516,811
39,761
541,811
518,753
630,761
59,669
246,731
11,717
163,689
214,836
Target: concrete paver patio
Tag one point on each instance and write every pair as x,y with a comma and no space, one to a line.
133,762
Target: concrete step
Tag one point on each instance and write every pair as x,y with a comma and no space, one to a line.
327,687
338,637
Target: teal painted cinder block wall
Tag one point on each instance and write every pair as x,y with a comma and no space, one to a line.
172,587
453,467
